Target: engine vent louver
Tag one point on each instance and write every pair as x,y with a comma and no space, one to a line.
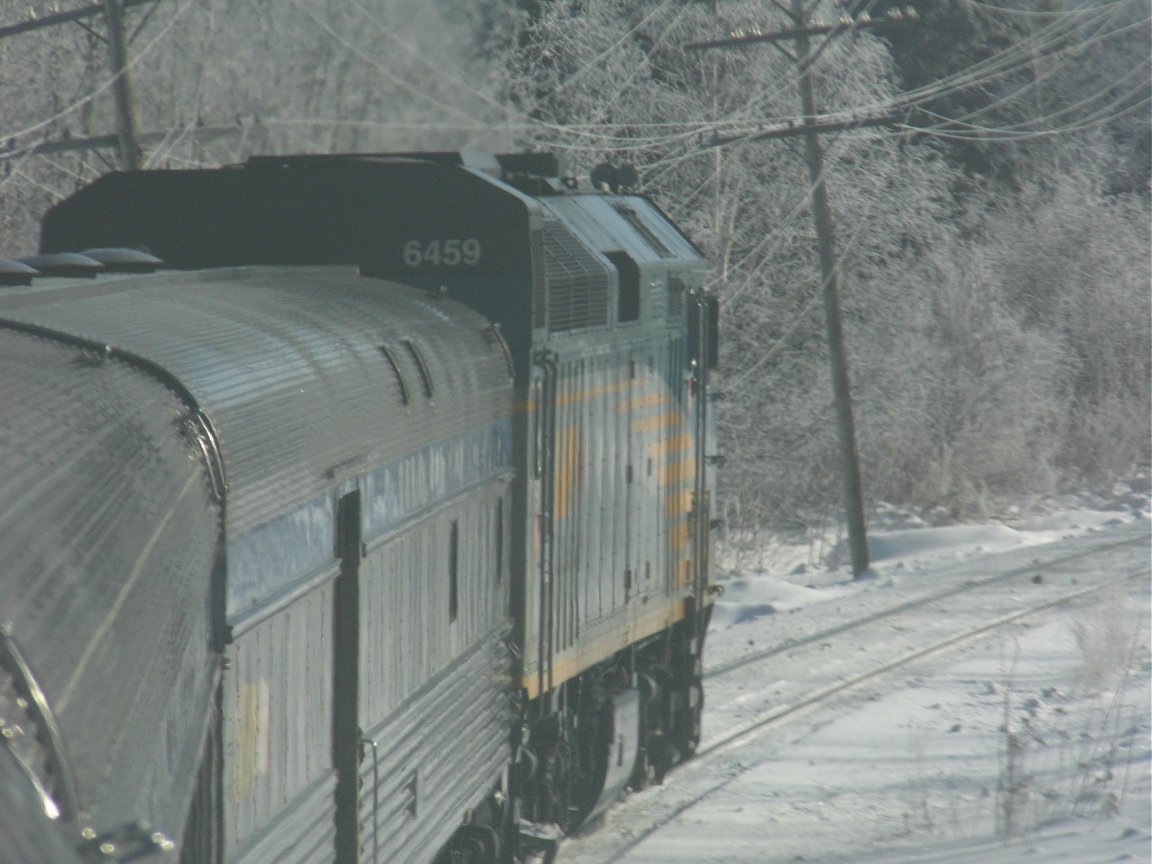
577,281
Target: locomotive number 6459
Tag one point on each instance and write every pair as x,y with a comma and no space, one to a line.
452,252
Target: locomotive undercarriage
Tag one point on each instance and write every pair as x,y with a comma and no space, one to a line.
621,724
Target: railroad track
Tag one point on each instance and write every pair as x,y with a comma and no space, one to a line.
820,636
722,745
773,718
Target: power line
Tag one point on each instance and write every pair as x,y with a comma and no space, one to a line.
95,142
11,137
803,29
79,14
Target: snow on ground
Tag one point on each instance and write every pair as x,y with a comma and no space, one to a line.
1031,744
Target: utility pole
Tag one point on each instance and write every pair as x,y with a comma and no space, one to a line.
129,146
79,14
833,317
812,126
126,140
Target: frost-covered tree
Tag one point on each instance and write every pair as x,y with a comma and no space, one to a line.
993,244
218,80
963,396
1015,87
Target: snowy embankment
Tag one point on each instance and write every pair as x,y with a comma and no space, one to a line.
1029,743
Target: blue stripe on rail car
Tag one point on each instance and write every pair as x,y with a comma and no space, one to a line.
274,562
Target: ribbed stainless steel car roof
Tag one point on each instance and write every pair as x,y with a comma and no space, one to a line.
296,368
108,533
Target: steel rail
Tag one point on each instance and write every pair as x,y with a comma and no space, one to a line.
743,732
968,585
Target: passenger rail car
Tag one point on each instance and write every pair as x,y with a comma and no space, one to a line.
374,527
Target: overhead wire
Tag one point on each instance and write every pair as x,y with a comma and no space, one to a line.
591,64
1055,62
801,205
594,132
985,72
1104,112
134,61
992,9
1003,64
1054,41
1058,51
992,133
39,184
589,130
400,82
595,137
685,136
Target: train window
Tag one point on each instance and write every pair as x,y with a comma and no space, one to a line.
628,299
453,570
425,378
396,371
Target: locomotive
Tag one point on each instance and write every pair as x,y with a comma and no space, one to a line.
355,509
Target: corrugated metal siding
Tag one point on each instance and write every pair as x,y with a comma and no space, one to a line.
430,756
278,719
301,834
108,533
286,362
407,636
435,692
622,477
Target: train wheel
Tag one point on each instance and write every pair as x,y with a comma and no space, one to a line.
472,844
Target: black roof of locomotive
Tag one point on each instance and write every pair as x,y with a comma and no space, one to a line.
379,212
294,210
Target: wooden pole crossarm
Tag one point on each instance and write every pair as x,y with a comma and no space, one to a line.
63,17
